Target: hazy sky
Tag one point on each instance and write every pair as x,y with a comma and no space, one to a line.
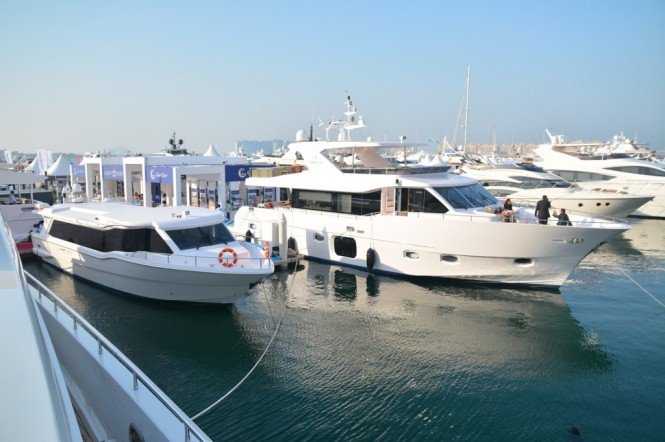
80,76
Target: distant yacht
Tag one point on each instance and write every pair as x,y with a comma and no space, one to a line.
411,221
615,172
164,253
525,183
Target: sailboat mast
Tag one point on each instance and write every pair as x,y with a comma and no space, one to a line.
466,107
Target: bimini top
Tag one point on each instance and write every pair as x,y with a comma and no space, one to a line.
115,214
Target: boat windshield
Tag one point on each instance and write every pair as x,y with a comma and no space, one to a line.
202,236
467,197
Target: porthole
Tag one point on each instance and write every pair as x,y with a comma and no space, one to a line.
449,258
523,261
580,204
318,237
607,204
597,204
411,255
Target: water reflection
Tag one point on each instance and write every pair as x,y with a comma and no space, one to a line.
380,351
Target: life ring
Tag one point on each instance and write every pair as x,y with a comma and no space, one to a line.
266,249
225,261
296,168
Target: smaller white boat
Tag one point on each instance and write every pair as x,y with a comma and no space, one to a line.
63,381
24,214
163,253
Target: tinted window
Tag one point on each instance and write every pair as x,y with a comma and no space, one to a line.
201,236
123,240
345,246
640,170
467,197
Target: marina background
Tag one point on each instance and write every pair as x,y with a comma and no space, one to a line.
365,357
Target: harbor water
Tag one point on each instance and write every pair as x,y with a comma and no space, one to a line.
358,356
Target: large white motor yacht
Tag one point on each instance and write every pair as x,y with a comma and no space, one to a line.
526,183
414,221
63,381
596,170
165,253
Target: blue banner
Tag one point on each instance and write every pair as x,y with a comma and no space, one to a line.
158,174
240,172
113,172
79,171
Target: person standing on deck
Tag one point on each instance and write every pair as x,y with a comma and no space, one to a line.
563,218
543,210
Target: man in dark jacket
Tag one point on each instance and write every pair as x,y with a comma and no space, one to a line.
563,218
543,210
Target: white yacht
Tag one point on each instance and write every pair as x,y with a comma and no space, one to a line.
22,216
615,172
415,221
63,381
526,183
165,253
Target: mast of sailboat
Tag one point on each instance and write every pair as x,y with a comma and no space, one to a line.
466,106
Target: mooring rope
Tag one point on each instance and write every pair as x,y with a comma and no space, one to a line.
279,323
643,289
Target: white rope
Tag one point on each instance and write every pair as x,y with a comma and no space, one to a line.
643,289
279,323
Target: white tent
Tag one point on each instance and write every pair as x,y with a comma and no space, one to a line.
35,166
437,161
61,167
211,152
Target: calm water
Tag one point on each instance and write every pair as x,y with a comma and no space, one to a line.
361,357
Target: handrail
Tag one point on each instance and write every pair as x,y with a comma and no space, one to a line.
199,261
138,377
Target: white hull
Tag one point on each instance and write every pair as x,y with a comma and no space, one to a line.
612,204
155,277
109,403
63,381
652,209
21,219
455,247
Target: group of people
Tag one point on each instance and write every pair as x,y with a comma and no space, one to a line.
543,213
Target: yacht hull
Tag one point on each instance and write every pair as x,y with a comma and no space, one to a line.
652,209
611,203
154,278
473,247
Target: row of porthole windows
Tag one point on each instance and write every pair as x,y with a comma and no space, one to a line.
346,246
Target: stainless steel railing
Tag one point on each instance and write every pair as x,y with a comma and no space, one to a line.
104,346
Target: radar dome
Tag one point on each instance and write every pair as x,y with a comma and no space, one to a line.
301,135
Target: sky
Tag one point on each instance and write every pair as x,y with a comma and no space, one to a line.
84,76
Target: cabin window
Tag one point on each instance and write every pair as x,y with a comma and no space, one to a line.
338,202
110,240
201,236
449,258
345,246
573,176
467,197
639,170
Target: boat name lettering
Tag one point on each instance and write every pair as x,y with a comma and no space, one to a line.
575,240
